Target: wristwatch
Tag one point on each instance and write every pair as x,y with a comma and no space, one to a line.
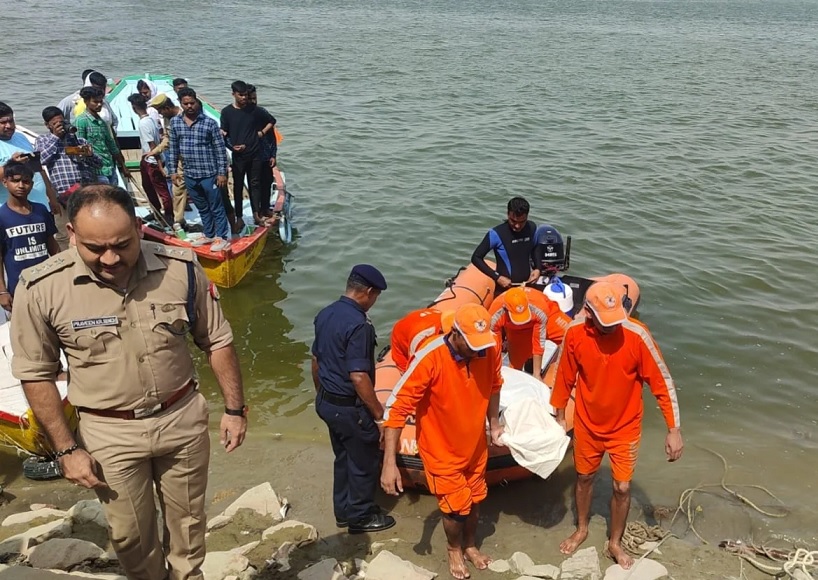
237,412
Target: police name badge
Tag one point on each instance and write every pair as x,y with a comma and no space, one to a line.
95,322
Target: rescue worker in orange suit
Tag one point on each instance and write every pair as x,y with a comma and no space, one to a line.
411,331
607,356
452,385
528,319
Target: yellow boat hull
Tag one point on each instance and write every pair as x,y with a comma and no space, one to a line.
27,434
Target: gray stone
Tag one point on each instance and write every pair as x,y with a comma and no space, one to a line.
645,569
26,517
584,564
262,499
21,543
528,578
304,533
387,566
543,571
63,553
500,566
328,569
217,565
520,562
88,511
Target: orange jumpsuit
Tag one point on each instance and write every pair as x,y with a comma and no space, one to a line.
410,332
608,371
450,399
523,341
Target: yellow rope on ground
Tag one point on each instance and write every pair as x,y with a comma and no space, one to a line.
637,533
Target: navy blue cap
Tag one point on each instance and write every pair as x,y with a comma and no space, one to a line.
369,274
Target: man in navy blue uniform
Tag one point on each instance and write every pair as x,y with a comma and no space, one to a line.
513,245
343,370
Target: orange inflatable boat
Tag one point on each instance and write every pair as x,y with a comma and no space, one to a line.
472,286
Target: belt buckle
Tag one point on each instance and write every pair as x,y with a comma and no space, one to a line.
142,413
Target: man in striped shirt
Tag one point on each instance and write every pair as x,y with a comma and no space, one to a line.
197,139
607,356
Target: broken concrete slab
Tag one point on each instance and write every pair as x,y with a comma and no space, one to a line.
583,565
26,517
645,569
295,531
388,566
262,499
500,566
543,571
63,553
217,565
328,569
21,543
519,562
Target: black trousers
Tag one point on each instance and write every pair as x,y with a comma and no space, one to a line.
356,443
251,167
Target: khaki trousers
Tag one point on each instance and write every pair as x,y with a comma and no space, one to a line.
62,234
170,451
179,199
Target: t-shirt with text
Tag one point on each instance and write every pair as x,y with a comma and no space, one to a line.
23,239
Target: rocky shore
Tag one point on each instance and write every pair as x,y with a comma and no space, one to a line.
271,517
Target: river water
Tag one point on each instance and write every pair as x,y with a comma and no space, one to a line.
675,141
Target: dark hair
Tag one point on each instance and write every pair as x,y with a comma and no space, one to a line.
87,93
139,101
186,92
179,81
87,72
97,194
357,283
518,206
97,79
17,169
51,112
141,85
5,110
239,87
251,88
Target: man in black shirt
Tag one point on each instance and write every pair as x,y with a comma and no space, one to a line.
239,125
513,245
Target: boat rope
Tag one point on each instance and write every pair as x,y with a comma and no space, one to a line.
638,533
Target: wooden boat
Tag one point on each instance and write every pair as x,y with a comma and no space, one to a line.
18,426
472,286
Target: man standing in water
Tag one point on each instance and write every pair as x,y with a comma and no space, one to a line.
343,371
121,310
458,372
607,356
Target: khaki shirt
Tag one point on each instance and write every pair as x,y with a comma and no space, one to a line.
120,352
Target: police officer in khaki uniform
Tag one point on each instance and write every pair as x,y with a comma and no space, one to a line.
121,308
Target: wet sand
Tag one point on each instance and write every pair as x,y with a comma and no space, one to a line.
532,516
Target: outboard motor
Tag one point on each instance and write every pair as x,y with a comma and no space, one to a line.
550,252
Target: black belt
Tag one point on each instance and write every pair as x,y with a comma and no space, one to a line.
340,400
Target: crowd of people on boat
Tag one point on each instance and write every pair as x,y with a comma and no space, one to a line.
183,158
450,364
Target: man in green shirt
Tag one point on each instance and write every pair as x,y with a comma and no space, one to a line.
92,128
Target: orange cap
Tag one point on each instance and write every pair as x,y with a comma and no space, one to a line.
516,303
605,301
472,321
447,320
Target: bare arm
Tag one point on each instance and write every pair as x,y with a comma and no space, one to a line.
6,299
315,380
366,392
390,476
225,364
52,246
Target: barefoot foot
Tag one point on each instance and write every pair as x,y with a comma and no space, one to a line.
480,560
572,542
457,565
616,553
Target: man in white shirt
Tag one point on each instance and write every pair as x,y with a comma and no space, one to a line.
72,106
154,177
